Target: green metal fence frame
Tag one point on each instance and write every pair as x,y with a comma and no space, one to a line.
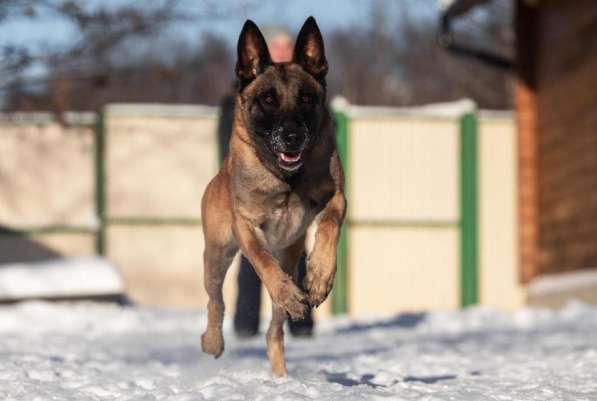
469,254
100,183
340,290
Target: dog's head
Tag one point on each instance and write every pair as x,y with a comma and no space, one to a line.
282,104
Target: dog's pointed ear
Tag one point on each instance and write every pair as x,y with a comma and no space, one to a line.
253,56
309,52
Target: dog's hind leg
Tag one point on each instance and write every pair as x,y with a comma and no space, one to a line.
216,261
275,340
289,259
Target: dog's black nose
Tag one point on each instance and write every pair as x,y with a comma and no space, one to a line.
292,139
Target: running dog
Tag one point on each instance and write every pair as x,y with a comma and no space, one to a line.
281,175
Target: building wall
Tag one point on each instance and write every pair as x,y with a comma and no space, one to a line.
566,74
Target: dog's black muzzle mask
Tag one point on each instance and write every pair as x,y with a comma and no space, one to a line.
288,143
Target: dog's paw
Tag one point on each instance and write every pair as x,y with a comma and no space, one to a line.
318,289
291,298
317,284
212,342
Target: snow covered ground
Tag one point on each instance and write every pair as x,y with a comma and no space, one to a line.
103,352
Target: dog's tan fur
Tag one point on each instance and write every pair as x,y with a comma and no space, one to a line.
251,207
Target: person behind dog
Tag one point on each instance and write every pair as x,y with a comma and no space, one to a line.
248,302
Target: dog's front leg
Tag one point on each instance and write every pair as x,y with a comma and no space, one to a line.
280,286
321,264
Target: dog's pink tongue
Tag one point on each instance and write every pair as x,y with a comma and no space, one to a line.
290,159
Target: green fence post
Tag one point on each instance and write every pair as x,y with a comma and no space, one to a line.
340,291
100,183
469,280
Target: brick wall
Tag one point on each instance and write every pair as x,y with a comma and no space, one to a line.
566,102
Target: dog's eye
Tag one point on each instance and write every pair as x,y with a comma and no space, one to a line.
269,99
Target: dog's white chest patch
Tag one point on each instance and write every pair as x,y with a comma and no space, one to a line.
286,222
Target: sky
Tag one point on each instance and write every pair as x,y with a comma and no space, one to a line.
330,15
49,32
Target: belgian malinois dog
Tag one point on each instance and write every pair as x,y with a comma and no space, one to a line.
281,175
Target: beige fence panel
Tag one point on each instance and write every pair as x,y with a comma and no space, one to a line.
403,168
161,265
404,210
47,170
398,269
158,159
498,216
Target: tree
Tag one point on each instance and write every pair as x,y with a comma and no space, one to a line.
92,62
388,61
400,63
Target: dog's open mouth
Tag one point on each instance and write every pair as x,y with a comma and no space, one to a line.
290,161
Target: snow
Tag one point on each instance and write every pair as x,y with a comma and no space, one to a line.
562,282
92,351
73,277
453,109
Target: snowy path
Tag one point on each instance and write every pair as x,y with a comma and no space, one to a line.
101,352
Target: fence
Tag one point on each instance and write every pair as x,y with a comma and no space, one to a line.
431,219
47,187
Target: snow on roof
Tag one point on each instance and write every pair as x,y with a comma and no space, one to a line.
443,110
70,117
161,110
